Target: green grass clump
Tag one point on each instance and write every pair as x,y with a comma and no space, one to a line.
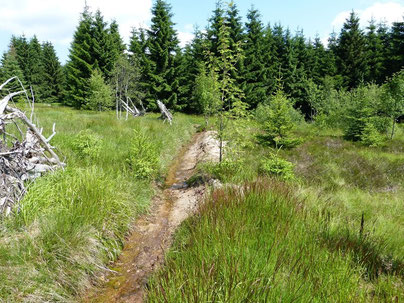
277,167
72,222
262,244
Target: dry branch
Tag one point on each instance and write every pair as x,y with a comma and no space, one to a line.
165,113
21,159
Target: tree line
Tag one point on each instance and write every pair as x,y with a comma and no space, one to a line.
270,55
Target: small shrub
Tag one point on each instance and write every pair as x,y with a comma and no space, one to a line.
278,120
223,170
87,144
143,156
278,167
371,136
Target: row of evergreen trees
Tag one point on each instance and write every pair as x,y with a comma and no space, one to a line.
36,65
270,53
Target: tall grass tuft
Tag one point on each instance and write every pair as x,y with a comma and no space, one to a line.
261,243
72,222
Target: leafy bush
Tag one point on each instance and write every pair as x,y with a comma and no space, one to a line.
87,144
278,167
143,156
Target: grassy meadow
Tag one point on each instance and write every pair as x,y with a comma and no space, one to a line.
72,222
334,233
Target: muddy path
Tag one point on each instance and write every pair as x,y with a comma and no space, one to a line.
152,233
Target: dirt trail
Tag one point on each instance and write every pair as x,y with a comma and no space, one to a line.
152,233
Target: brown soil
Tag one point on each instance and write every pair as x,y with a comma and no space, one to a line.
152,234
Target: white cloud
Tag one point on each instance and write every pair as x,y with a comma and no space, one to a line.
56,20
388,11
187,35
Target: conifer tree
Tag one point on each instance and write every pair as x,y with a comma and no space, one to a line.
213,29
115,48
53,79
10,67
351,53
374,49
35,74
396,61
79,66
162,45
254,65
21,48
99,46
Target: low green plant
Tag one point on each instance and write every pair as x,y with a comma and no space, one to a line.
143,156
87,144
371,136
224,170
277,120
277,167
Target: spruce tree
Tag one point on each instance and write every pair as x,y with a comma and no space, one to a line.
254,65
396,61
10,67
351,53
99,48
162,45
21,48
374,53
35,74
53,80
213,29
79,65
115,48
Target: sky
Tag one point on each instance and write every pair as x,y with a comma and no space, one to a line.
56,20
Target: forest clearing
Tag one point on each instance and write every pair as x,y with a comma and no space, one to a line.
251,164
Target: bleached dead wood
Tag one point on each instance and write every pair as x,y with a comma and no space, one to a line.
25,154
165,113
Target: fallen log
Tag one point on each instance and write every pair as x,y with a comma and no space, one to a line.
165,113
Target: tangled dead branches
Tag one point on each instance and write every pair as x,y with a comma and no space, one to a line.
25,154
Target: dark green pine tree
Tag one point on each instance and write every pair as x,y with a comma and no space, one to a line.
53,80
236,37
99,46
137,54
115,47
213,29
316,54
79,66
235,25
270,61
396,62
192,60
10,66
351,53
374,53
384,36
21,47
35,75
298,73
254,66
279,49
162,46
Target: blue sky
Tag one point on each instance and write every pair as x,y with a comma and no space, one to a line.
56,20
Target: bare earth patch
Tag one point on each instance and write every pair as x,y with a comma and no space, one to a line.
152,234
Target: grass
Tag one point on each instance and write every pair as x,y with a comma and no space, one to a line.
334,234
262,244
72,222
